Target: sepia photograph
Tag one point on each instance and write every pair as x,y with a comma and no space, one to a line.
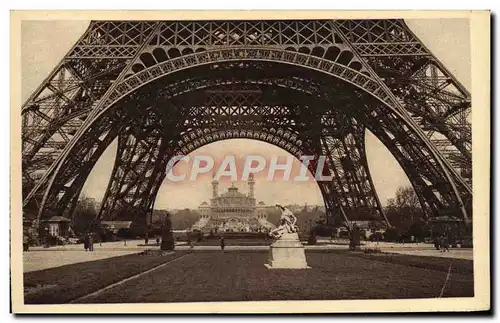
250,162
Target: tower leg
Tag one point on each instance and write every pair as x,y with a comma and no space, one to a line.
137,166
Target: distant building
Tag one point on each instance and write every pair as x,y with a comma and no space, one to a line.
115,226
233,211
58,226
368,227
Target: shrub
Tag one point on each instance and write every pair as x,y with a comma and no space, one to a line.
392,234
312,239
167,241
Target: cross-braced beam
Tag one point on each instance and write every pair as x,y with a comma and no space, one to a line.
396,88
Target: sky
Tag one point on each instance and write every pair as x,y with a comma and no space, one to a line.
44,44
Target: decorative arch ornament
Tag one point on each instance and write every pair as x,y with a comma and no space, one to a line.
101,120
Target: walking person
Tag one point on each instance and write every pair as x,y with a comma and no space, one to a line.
446,244
221,241
442,243
436,243
191,245
91,242
86,241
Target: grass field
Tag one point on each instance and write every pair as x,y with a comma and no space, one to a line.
241,275
234,242
63,284
460,266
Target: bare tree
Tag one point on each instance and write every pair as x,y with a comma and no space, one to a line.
404,209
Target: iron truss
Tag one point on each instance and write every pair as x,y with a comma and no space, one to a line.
309,87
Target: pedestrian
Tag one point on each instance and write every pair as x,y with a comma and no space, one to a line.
157,240
191,245
146,240
436,243
86,241
91,242
442,242
446,244
222,245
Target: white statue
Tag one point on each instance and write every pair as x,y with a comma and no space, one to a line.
287,223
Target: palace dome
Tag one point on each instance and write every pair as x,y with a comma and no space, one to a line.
233,192
232,211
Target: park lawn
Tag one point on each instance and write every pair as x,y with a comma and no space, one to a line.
234,242
242,276
459,266
63,284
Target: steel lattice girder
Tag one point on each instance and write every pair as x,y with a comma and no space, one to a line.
431,94
234,102
229,101
133,53
54,112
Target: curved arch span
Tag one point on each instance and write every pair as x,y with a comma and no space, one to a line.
135,82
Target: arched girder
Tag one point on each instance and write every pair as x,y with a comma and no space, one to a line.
351,193
55,112
360,135
431,94
331,194
400,118
199,136
333,208
38,159
191,143
222,55
138,151
307,86
103,132
279,137
108,129
415,177
353,179
423,173
341,142
235,54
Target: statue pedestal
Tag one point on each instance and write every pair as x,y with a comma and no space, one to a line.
287,253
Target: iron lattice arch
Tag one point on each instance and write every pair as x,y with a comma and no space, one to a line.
164,88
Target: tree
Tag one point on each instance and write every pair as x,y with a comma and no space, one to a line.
184,219
167,238
391,234
312,240
419,230
404,209
158,219
84,216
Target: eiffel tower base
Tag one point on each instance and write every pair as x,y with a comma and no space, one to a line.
287,253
